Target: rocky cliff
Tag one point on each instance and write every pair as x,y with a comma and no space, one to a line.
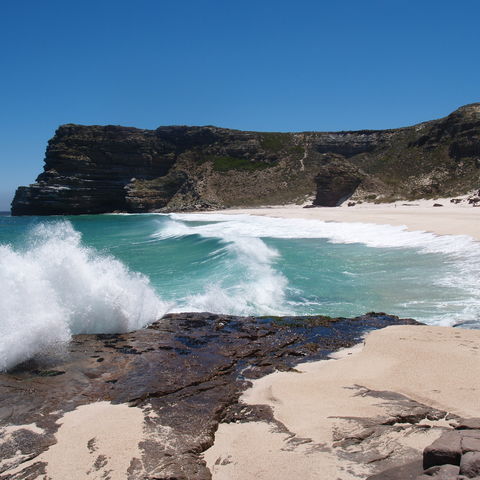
97,169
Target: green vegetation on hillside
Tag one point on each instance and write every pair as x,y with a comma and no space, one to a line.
274,142
225,163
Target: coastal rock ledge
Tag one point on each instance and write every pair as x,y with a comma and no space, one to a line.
101,169
147,404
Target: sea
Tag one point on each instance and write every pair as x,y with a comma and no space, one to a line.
61,276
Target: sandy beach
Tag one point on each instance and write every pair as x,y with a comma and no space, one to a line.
450,219
376,405
326,402
97,440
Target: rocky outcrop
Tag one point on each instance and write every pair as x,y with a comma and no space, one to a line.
185,372
455,455
96,169
336,181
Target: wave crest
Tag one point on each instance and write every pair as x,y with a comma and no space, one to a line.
248,283
56,287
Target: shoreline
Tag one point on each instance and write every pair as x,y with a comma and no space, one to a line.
331,401
147,403
335,413
415,215
419,215
324,411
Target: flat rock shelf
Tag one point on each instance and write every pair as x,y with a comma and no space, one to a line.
184,374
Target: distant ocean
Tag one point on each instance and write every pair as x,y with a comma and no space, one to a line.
113,273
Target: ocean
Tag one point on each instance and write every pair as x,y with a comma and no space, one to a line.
113,273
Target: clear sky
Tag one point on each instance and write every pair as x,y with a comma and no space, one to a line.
269,65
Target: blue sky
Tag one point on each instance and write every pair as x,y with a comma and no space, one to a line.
258,65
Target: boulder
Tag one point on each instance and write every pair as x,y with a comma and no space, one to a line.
468,424
470,444
441,472
445,450
470,464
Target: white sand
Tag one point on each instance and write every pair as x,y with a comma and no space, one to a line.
436,366
451,219
94,441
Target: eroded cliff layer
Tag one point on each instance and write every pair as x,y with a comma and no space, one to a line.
98,169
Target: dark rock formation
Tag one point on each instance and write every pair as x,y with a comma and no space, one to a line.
446,450
453,456
470,464
336,181
370,441
95,169
186,370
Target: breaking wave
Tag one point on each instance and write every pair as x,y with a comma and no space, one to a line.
460,255
55,287
247,284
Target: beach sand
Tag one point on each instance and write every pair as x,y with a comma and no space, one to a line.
451,219
328,401
96,441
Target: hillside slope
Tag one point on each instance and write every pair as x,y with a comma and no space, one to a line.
98,169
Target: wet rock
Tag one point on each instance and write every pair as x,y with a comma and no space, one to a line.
186,371
445,450
437,205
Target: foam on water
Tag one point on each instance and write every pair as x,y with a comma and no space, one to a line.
54,287
249,283
460,252
369,234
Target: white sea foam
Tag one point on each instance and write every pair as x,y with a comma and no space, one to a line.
55,287
258,286
460,252
249,283
372,235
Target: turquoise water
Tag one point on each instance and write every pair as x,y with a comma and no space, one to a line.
107,273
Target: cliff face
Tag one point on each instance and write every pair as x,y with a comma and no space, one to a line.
97,169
